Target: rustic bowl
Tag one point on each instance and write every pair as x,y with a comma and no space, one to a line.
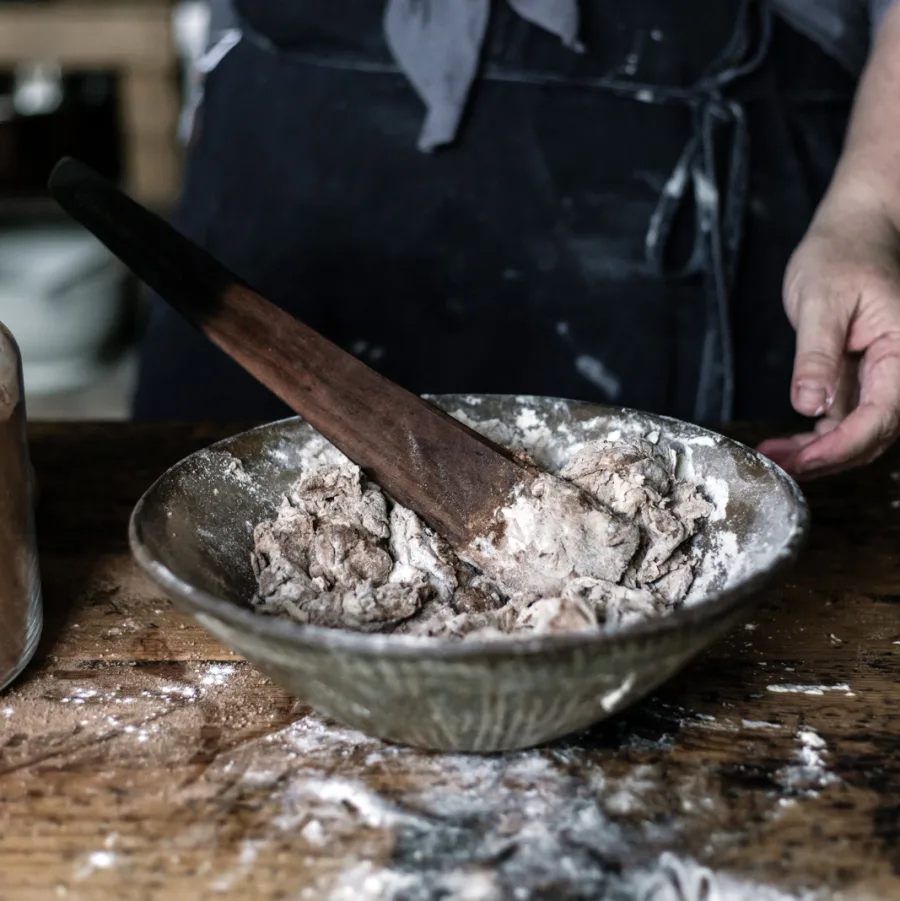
192,532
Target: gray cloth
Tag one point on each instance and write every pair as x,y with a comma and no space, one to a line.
437,43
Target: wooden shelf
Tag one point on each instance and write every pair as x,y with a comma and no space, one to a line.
132,37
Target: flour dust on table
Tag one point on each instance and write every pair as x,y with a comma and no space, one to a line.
340,554
534,825
258,780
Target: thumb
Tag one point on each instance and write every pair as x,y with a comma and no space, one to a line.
822,326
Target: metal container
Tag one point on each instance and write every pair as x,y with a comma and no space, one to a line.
21,614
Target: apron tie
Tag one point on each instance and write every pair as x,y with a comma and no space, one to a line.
720,201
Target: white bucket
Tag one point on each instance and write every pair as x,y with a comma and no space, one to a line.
61,295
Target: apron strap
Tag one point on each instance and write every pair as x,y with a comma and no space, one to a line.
719,131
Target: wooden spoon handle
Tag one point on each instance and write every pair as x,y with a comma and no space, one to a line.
447,473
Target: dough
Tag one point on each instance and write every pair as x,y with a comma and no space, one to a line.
339,554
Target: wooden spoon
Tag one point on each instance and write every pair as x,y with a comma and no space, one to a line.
529,530
450,475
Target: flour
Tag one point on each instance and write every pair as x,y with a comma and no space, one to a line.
602,539
787,688
808,774
525,826
218,673
96,860
583,819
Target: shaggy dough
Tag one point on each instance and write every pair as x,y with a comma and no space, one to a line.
339,554
554,531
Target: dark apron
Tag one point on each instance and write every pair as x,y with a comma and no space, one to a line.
611,226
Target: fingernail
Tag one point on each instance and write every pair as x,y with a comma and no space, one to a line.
811,399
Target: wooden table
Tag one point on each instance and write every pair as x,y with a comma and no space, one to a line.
139,759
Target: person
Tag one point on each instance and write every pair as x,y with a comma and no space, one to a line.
581,198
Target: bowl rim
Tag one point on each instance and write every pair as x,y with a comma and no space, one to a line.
718,605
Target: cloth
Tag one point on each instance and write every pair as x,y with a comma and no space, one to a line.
613,227
438,43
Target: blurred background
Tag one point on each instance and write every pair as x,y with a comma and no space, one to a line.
104,81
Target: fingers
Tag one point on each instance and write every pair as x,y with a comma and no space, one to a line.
842,295
849,437
846,397
862,437
822,325
784,451
869,429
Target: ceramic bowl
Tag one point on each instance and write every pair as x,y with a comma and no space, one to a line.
192,533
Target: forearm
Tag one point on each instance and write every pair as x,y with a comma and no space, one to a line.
868,175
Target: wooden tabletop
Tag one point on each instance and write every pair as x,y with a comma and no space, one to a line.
139,759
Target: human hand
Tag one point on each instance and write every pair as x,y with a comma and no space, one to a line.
842,295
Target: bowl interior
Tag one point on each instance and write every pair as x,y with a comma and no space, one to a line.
193,529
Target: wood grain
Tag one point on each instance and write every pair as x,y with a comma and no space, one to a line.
139,759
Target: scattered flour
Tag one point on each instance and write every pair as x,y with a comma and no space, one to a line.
217,674
809,774
679,879
787,688
587,818
519,826
96,860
